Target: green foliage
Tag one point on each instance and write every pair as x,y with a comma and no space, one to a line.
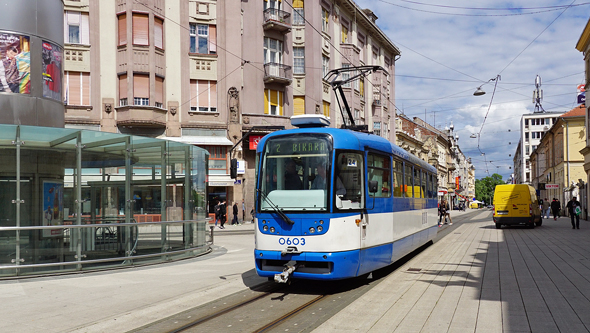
484,188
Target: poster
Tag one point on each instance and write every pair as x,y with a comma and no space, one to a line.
53,207
52,59
15,67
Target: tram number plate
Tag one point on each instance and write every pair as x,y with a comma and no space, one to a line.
292,241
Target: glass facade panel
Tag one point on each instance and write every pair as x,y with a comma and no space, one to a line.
91,200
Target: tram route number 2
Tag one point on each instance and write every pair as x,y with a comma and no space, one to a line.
291,241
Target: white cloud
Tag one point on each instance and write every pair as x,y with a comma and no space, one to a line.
467,51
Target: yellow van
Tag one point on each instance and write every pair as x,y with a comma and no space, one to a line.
516,204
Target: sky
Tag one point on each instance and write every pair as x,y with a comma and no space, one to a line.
450,48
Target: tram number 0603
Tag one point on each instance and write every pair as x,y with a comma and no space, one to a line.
292,241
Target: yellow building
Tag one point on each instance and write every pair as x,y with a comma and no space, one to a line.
557,166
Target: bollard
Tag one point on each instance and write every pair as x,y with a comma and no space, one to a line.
212,227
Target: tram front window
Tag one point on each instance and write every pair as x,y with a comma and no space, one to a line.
291,173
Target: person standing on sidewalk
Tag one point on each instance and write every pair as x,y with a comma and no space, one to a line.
222,214
243,212
235,212
574,208
546,208
555,207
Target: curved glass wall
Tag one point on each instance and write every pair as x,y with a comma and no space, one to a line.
73,200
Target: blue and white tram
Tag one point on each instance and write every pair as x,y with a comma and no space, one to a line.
376,203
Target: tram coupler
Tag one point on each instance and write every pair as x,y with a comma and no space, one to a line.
290,267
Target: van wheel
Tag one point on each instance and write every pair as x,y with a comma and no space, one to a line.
498,226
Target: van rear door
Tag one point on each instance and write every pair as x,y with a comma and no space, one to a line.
511,204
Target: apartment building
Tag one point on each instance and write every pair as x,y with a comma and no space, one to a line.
210,72
583,45
532,128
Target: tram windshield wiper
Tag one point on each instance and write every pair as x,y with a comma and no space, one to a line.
276,209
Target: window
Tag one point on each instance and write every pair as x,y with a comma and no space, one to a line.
384,131
122,27
349,181
298,13
274,4
159,33
357,116
416,189
527,150
408,184
273,51
273,102
159,92
298,60
361,46
346,76
325,16
123,90
76,28
203,38
326,106
140,29
141,89
398,180
344,34
379,171
217,160
377,128
325,65
298,105
77,88
526,136
432,186
203,96
362,87
526,122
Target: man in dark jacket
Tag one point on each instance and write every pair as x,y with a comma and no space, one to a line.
235,212
574,208
222,214
555,207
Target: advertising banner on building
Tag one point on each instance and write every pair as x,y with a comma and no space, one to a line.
254,139
15,67
52,63
53,207
581,94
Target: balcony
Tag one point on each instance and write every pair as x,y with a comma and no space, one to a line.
137,115
278,20
277,73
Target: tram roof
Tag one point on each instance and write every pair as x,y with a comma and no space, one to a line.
348,139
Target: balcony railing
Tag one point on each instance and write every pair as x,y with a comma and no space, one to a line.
278,73
276,19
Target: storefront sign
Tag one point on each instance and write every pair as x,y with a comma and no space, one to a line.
222,183
241,167
254,139
551,186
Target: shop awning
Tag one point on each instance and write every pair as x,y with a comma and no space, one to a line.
202,140
220,180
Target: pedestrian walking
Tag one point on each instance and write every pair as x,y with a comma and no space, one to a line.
216,212
546,208
235,213
443,213
243,212
574,208
555,207
222,214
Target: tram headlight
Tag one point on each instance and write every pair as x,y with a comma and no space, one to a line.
272,230
265,228
321,221
320,228
311,230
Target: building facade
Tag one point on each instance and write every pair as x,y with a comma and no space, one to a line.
583,46
220,75
557,166
440,148
532,128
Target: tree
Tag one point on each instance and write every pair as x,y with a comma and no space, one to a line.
484,188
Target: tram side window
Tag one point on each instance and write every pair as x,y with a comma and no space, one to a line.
418,193
349,173
431,186
378,166
408,184
398,179
423,187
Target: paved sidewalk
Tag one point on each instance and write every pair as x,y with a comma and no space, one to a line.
481,279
